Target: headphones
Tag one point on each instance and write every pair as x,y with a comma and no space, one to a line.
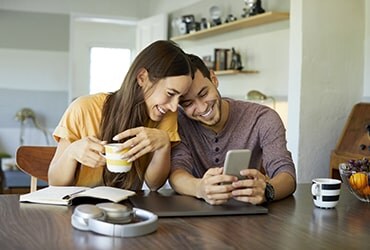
114,219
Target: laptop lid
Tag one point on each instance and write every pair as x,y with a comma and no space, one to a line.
166,203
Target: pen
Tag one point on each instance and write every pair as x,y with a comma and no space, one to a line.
69,196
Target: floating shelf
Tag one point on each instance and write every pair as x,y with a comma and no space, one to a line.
234,72
264,18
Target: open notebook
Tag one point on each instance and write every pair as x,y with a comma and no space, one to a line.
72,195
168,204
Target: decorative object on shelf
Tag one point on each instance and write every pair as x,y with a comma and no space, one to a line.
230,18
194,27
236,61
255,95
254,7
22,116
183,28
204,24
221,57
188,24
215,12
178,25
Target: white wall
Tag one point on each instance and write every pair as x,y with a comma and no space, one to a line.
367,53
326,78
295,72
111,8
85,35
41,70
159,6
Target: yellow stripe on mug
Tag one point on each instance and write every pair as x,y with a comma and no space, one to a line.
115,163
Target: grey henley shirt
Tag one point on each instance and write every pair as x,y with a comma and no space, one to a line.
249,126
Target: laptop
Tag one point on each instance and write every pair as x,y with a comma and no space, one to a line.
166,203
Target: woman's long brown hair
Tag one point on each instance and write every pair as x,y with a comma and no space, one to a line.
125,108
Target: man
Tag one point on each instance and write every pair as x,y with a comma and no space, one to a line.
209,126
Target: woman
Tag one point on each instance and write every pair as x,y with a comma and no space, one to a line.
141,114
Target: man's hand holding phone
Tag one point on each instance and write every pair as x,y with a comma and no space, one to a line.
209,188
234,180
216,186
251,183
252,188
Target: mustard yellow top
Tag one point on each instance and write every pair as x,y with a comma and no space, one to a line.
82,118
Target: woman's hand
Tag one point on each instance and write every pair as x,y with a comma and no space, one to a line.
142,141
62,170
87,151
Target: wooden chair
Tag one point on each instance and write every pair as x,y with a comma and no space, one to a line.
35,161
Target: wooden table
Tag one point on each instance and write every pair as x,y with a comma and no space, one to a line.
293,223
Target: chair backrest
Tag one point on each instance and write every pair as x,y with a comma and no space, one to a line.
35,161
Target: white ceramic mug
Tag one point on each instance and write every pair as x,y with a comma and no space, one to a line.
325,192
115,163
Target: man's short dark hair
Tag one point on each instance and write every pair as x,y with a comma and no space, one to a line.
198,64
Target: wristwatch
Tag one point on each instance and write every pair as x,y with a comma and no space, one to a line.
269,193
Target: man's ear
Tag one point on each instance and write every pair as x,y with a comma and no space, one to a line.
142,77
214,79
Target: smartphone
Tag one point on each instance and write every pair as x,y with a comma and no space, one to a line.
236,160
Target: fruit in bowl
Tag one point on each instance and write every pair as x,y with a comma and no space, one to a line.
356,174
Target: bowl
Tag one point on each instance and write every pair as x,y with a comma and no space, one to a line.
355,175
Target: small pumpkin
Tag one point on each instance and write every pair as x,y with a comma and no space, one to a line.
358,181
366,191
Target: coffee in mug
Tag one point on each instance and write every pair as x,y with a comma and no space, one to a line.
325,192
115,163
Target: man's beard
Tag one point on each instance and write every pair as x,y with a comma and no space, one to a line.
217,108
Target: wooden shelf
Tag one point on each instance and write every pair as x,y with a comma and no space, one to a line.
234,72
267,17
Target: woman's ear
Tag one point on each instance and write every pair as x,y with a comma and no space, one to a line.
214,79
142,77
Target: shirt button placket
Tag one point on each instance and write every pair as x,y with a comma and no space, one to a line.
217,149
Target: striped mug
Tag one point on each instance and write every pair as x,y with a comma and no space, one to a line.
115,162
325,192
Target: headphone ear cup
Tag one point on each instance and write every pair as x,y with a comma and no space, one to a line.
116,213
83,213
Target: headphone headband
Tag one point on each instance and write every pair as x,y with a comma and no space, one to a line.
86,218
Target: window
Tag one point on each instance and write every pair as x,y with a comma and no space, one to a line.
108,67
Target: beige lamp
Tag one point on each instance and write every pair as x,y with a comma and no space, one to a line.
255,95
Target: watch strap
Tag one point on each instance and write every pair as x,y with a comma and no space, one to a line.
269,193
